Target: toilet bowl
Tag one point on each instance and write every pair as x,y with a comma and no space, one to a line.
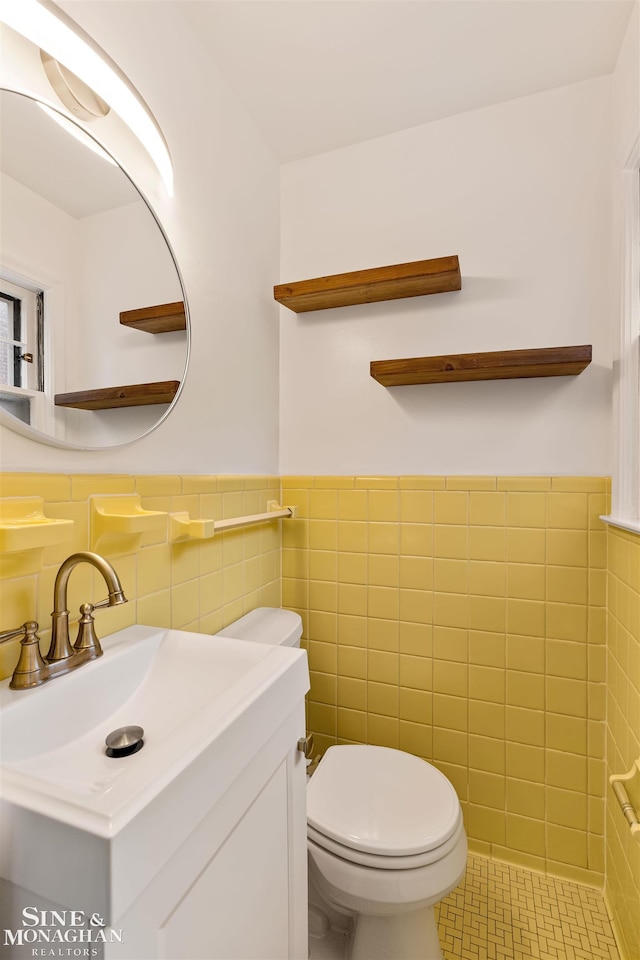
385,835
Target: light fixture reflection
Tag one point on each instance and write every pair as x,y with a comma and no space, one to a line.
40,22
77,133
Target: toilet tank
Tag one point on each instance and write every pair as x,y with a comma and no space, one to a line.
266,625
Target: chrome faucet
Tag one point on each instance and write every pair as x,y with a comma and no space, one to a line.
32,670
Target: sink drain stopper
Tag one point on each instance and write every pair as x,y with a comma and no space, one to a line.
124,741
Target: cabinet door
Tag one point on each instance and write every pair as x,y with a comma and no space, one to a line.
238,907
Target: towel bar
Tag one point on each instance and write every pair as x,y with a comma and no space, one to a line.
630,813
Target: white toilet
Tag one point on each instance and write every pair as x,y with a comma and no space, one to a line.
385,835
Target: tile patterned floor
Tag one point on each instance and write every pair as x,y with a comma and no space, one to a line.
500,912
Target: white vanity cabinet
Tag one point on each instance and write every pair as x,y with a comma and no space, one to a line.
196,846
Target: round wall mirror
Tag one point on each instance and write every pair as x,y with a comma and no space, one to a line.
93,316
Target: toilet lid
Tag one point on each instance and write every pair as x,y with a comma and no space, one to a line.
381,801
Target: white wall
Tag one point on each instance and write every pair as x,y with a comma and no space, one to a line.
223,226
521,192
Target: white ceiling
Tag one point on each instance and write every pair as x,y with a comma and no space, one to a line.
321,74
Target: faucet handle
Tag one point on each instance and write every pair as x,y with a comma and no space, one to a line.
26,631
31,670
87,639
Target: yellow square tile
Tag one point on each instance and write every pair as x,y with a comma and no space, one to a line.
525,690
567,621
416,606
568,510
352,630
323,504
382,666
352,536
566,808
154,609
597,547
415,672
352,693
295,534
451,507
451,643
487,613
415,573
415,738
352,504
487,649
526,546
567,846
487,824
526,799
323,565
352,567
526,834
566,696
293,498
486,753
525,762
487,719
322,719
416,506
324,687
566,770
232,504
486,683
451,576
184,603
323,625
526,617
526,509
526,581
415,639
352,599
487,543
384,506
295,563
568,547
525,653
450,678
487,578
383,634
415,706
323,595
383,731
382,698
450,713
233,587
569,584
323,657
210,593
383,602
525,726
323,534
449,610
450,746
487,509
487,789
565,659
383,538
383,570
352,725
416,539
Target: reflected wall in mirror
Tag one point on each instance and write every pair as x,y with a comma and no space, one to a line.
79,247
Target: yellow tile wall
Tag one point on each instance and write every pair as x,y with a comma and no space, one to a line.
196,585
463,619
622,889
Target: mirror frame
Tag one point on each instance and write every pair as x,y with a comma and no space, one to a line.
25,430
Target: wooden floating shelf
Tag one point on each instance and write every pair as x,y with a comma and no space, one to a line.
417,279
130,395
163,318
499,365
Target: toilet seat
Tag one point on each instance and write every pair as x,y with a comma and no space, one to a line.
381,807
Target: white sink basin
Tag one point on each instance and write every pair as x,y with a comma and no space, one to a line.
203,702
